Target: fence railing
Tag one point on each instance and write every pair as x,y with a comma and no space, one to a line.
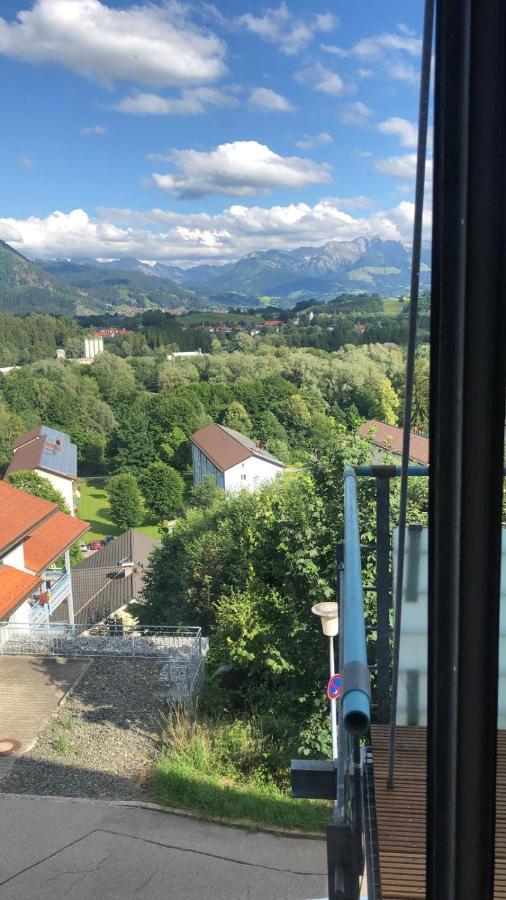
137,641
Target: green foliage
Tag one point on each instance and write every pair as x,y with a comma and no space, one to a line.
205,494
124,501
249,567
237,418
162,488
11,426
232,770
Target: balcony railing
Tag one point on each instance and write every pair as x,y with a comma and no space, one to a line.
59,591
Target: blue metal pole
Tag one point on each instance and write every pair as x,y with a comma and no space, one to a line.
356,702
386,471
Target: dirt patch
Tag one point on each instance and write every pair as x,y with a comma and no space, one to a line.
102,743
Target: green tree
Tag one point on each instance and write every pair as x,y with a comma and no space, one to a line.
236,417
11,426
162,488
114,377
125,501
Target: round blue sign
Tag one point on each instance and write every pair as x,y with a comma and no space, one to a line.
334,687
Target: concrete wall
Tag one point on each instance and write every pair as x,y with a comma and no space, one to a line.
63,485
250,474
15,558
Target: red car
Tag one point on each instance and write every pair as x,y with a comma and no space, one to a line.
96,545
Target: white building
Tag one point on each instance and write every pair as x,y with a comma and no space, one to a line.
184,354
92,346
231,459
51,454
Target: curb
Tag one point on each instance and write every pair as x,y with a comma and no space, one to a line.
62,701
244,824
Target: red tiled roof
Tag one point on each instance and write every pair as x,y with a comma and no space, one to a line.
15,586
226,447
389,438
219,447
51,539
20,513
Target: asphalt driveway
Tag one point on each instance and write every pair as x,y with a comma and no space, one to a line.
76,849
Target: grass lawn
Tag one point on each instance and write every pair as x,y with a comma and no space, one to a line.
208,768
94,508
392,307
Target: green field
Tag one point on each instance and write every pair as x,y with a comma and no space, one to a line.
392,307
94,508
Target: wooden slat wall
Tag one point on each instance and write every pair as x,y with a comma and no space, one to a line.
401,813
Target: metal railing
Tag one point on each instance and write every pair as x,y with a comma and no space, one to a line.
137,641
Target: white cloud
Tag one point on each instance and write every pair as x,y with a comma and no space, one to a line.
398,166
389,53
191,102
93,129
314,140
278,26
150,43
365,154
355,114
406,131
334,50
266,99
402,166
375,47
321,79
190,238
25,162
241,168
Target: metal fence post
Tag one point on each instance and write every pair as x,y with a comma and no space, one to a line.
383,597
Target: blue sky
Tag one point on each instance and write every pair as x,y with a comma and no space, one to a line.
190,131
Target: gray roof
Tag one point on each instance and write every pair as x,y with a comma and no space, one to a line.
253,446
100,583
60,459
44,448
133,545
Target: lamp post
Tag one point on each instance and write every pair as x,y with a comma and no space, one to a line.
329,618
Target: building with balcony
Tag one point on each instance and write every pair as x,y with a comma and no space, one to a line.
52,455
231,459
35,539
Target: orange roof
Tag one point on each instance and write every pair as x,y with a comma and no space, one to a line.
15,586
47,542
20,513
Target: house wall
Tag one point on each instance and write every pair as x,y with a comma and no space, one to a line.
64,485
250,474
202,467
15,558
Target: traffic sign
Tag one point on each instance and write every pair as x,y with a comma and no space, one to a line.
334,687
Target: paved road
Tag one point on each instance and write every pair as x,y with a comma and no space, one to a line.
74,849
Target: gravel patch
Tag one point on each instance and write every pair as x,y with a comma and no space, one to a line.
102,743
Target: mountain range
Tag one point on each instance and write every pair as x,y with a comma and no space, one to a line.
85,285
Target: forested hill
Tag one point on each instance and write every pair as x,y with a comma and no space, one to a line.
24,286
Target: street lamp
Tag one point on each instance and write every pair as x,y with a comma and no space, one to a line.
329,618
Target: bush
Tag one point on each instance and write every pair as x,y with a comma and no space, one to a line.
163,490
124,501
